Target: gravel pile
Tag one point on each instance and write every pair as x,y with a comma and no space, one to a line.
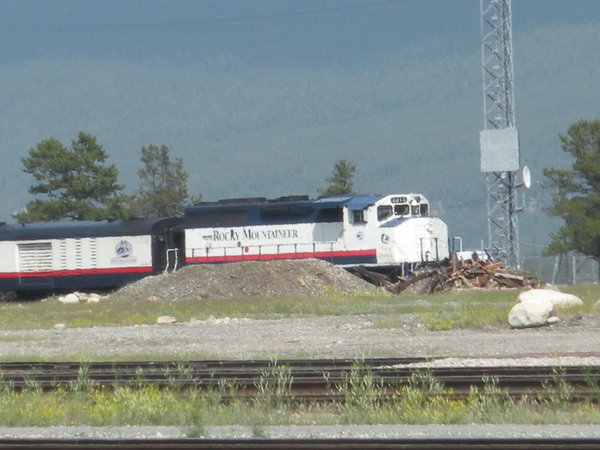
285,278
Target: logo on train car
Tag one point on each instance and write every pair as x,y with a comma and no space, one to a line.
252,234
124,249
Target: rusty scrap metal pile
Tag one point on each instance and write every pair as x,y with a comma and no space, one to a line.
453,273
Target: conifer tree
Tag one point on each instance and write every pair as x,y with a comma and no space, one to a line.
163,184
340,181
74,184
577,192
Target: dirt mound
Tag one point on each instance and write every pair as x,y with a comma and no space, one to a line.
285,278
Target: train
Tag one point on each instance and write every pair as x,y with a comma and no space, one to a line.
378,231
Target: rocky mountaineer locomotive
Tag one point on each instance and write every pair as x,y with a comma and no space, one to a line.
349,230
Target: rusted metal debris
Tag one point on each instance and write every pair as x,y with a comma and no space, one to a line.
452,273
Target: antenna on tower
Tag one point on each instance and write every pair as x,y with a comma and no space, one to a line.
499,140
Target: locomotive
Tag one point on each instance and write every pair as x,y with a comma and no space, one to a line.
391,231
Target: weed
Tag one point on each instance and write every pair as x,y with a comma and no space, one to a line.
360,393
557,391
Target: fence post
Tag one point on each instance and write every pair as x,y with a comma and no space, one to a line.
555,271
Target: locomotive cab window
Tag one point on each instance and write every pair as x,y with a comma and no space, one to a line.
383,212
401,210
424,209
357,217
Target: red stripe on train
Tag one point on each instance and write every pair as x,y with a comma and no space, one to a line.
271,256
77,272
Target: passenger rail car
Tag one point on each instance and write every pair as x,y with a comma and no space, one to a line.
78,255
391,230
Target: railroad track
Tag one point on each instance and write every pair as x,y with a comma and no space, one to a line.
303,379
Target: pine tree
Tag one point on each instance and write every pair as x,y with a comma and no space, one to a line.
75,183
163,184
577,192
340,181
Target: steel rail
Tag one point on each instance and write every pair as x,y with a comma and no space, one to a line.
304,379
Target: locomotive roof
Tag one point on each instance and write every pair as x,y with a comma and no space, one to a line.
352,201
79,229
260,211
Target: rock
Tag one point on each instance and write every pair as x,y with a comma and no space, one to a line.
93,298
59,326
557,298
166,320
69,298
596,307
194,322
530,314
536,307
152,298
80,297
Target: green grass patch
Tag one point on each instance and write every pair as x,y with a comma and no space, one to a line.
476,308
359,399
45,314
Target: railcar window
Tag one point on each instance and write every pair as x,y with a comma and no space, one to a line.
401,210
330,215
219,218
424,209
383,212
293,213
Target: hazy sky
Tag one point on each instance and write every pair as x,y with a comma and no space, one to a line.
243,89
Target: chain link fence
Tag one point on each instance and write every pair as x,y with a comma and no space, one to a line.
563,269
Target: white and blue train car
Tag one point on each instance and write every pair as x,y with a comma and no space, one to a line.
349,230
89,254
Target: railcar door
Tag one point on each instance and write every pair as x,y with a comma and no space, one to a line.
167,249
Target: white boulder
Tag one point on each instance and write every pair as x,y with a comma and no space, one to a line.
80,297
536,307
166,319
557,298
533,313
69,298
93,298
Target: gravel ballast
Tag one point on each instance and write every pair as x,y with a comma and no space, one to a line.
309,337
488,431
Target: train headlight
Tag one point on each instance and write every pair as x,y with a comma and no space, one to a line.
385,238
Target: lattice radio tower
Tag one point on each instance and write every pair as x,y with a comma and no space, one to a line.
499,141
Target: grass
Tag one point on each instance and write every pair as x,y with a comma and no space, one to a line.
359,400
440,311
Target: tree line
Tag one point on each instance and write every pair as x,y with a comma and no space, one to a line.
78,183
